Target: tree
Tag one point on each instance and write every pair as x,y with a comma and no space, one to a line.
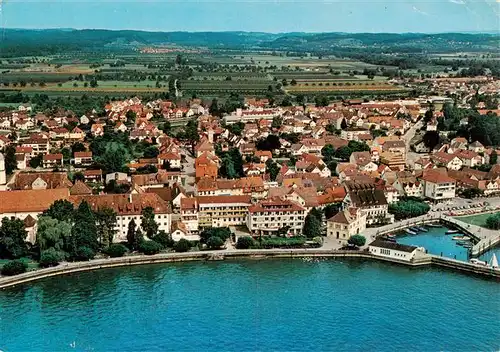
164,239
85,229
277,122
431,139
214,108
148,223
166,127
14,267
66,152
328,153
130,115
84,253
116,250
357,240
36,161
272,169
77,147
106,224
493,158
150,247
12,239
343,153
53,233
312,226
405,209
151,152
61,210
222,232
114,158
93,83
51,257
134,237
429,114
293,82
10,159
182,245
472,193
215,242
493,222
245,242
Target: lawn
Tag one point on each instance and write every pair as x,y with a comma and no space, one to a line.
31,264
478,220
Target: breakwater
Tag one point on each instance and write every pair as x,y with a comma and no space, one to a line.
69,268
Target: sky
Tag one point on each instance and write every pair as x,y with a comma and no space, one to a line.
428,16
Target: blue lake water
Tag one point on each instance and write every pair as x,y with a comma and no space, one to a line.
437,242
279,305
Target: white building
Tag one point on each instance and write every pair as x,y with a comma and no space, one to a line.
270,215
345,224
438,186
392,250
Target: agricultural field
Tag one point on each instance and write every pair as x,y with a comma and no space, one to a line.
223,86
221,76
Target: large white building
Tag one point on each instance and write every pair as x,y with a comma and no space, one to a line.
345,224
271,215
371,201
438,186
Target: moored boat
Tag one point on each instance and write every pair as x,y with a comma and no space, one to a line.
433,225
410,232
414,229
450,232
460,238
423,229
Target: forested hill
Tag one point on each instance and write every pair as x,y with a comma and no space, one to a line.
15,41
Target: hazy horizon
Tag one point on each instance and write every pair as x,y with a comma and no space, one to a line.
281,16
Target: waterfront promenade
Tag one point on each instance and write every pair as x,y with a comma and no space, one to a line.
423,260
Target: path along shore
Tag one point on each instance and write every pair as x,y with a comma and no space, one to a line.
69,268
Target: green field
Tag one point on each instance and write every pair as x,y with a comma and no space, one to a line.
478,220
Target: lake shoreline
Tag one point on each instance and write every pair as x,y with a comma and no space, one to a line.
69,268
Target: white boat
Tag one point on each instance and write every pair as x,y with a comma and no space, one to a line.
410,232
449,232
493,261
478,262
460,238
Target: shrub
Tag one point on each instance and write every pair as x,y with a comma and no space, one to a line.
182,246
283,242
245,242
215,242
150,247
84,253
116,250
405,209
14,267
357,240
164,239
51,257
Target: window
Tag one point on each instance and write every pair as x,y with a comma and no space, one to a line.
385,251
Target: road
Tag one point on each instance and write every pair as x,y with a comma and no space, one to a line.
411,157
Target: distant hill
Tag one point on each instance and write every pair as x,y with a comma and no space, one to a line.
60,40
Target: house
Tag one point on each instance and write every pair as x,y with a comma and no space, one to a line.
450,161
476,147
207,165
83,158
393,250
52,160
409,187
97,129
270,215
369,200
469,158
363,160
395,161
128,207
39,180
77,134
92,175
189,214
118,177
437,185
346,223
180,231
170,160
203,146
